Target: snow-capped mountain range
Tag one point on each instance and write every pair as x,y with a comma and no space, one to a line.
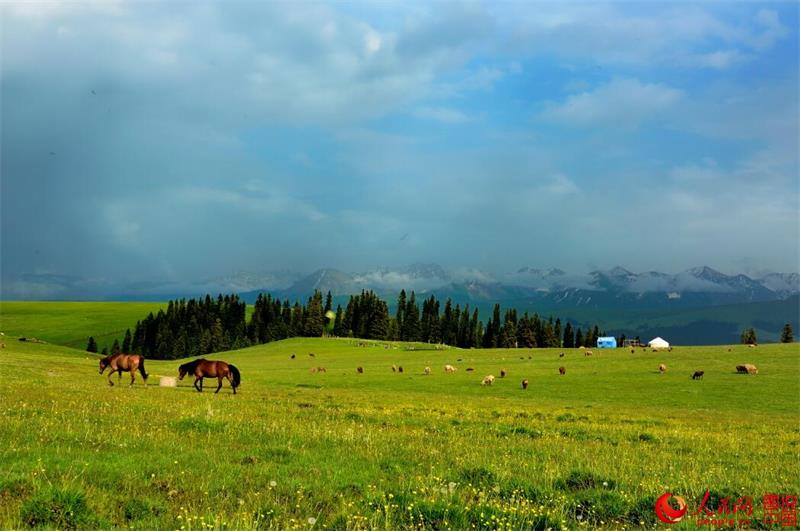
599,288
700,286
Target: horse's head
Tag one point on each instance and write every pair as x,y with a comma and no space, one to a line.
103,364
182,370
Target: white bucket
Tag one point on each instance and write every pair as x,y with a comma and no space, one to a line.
168,381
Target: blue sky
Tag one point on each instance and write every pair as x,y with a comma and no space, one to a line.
145,141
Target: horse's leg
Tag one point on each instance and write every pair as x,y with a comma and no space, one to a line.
110,374
199,380
220,384
119,376
230,379
133,377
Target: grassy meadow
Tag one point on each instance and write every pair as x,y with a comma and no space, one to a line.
71,323
383,449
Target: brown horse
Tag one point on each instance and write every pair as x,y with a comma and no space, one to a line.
120,363
203,368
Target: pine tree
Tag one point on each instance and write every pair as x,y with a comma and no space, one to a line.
410,325
105,352
217,336
748,336
92,345
475,330
569,336
379,324
115,348
787,335
579,338
400,315
338,329
508,336
525,337
557,332
314,321
126,343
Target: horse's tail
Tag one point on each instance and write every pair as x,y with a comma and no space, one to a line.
141,369
237,378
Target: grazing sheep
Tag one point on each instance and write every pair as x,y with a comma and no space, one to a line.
459,359
752,345
322,369
427,370
293,356
503,373
449,369
312,370
522,357
698,375
394,368
633,351
562,370
662,368
360,370
488,380
561,355
581,347
400,368
589,353
311,354
729,350
746,369
524,384
470,369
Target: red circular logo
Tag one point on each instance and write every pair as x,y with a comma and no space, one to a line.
666,513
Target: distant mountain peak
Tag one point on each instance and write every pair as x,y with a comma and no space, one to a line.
707,273
619,271
532,271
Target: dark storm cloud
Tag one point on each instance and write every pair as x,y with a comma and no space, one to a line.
169,141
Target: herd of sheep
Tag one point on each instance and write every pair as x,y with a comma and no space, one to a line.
489,379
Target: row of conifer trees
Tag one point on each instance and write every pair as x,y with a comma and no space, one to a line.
196,327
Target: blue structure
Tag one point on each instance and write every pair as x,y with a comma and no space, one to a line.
606,342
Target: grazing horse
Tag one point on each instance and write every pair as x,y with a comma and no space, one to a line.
120,363
203,368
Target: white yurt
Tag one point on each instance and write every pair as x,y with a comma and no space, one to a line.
657,343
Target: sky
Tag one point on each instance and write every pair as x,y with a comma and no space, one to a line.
160,141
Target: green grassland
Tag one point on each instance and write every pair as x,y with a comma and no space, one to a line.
383,449
71,323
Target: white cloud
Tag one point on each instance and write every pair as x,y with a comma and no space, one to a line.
718,60
773,30
442,114
610,34
256,200
620,103
561,185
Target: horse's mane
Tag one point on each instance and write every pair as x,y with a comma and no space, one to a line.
190,366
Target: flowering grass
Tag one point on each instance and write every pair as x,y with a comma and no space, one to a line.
342,450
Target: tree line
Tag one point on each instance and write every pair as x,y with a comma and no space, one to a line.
196,327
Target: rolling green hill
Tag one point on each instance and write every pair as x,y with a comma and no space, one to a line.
71,323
